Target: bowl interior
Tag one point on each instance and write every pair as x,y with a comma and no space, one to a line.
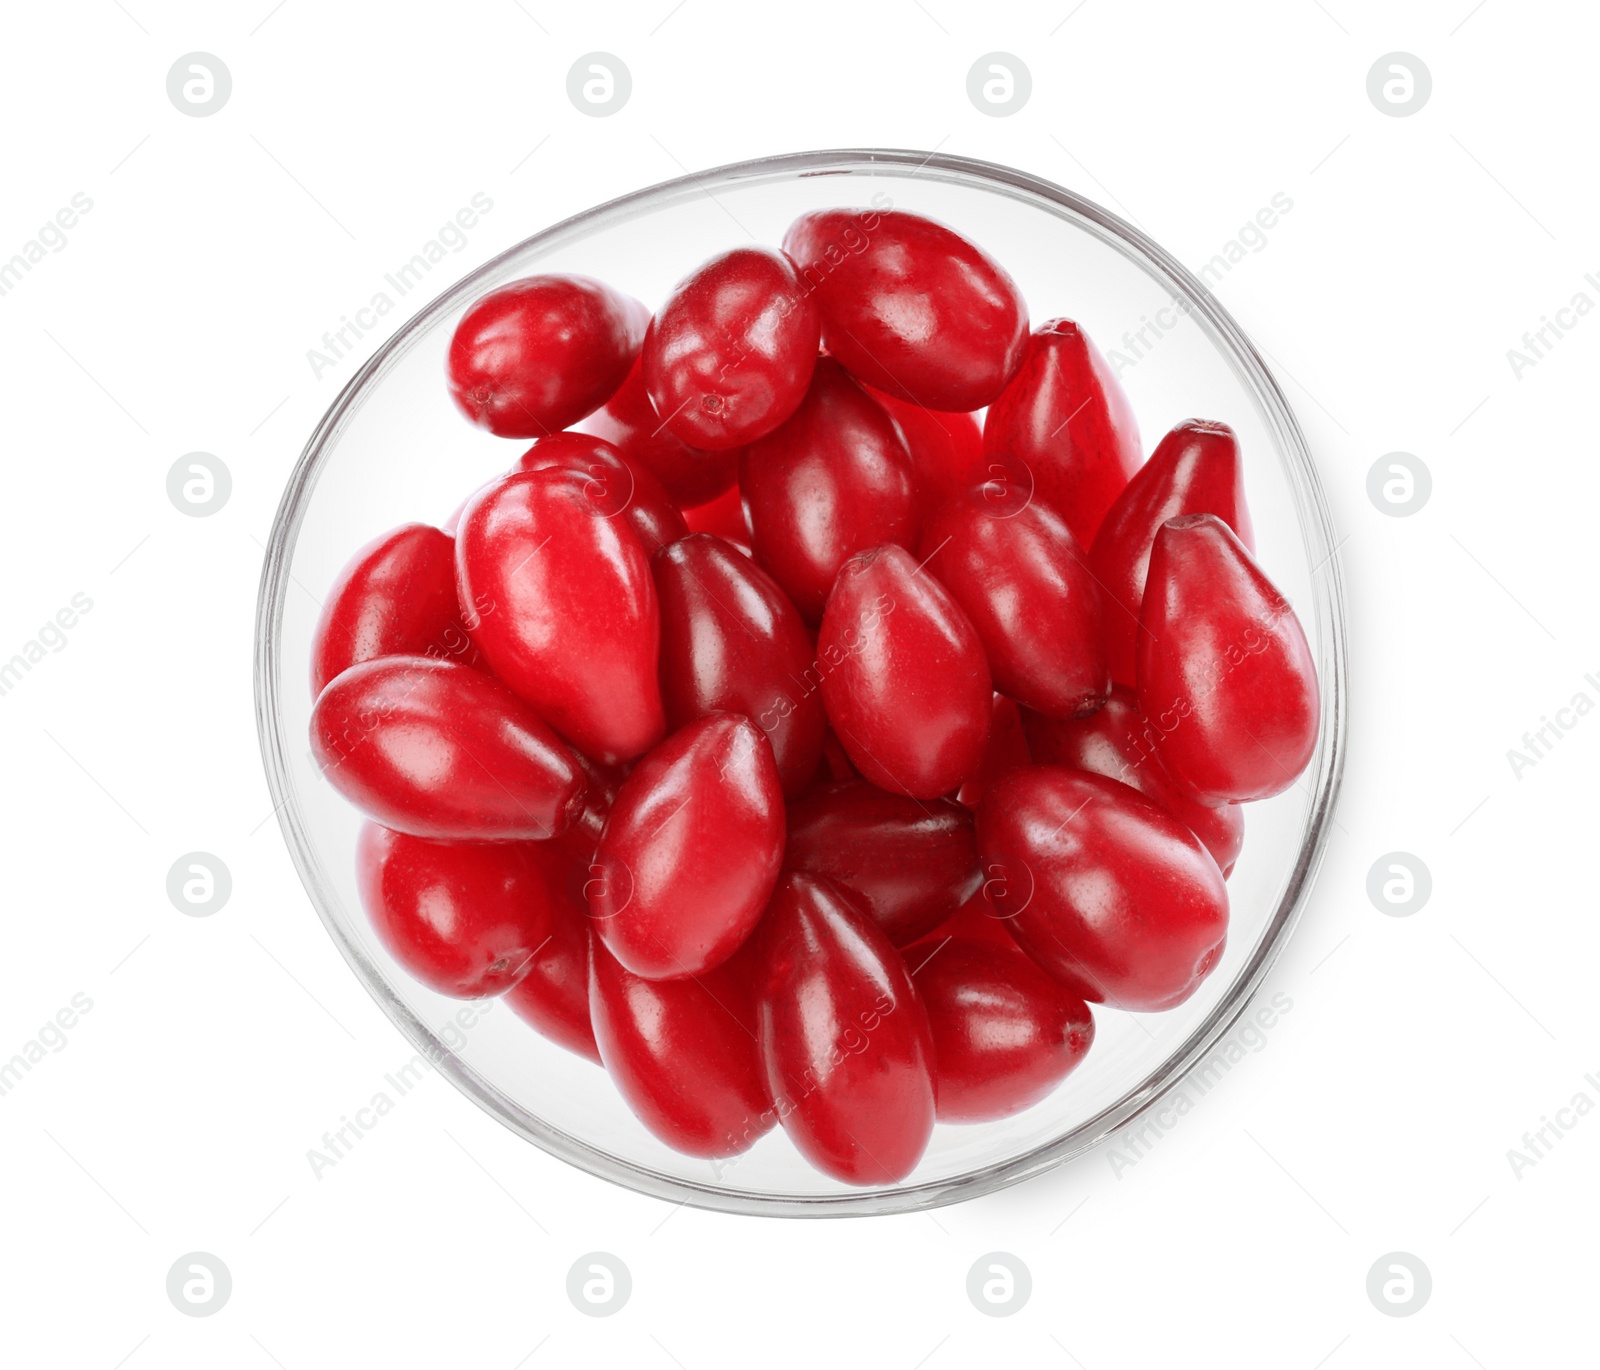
393,449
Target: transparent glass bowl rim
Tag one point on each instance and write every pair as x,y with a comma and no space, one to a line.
1328,631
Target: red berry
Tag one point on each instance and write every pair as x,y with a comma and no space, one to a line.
629,422
1195,469
833,480
1022,581
553,997
729,355
396,597
1004,1033
465,918
1120,742
844,1040
909,863
437,749
905,682
683,1053
1225,672
1063,432
1110,894
611,483
910,306
538,354
567,613
690,851
946,449
731,641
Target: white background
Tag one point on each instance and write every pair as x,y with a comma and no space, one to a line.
1379,1113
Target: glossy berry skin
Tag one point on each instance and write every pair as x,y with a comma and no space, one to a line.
906,686
1120,742
946,449
732,642
1021,579
729,356
396,597
465,918
629,422
567,609
911,307
683,1053
833,480
1006,750
908,863
1110,894
614,486
538,354
1224,668
553,997
1063,433
437,749
1195,469
690,850
844,1039
1004,1033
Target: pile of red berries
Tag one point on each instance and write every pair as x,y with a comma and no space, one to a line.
799,743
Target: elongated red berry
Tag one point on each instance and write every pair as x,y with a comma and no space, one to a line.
465,918
1225,672
1063,431
1107,892
437,749
911,307
540,353
732,642
690,851
684,1054
566,609
906,684
1195,469
395,597
832,481
844,1038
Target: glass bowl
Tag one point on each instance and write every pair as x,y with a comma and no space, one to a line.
392,448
